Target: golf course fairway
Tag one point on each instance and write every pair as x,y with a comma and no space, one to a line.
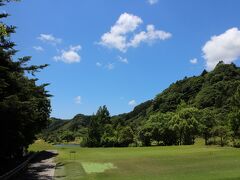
195,162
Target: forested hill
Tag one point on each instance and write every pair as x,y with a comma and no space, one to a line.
213,90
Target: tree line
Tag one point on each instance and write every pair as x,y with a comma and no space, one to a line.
181,127
205,106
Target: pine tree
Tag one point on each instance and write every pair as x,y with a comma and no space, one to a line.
24,105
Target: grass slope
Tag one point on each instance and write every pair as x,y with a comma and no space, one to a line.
195,162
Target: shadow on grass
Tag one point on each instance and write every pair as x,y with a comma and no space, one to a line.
59,171
60,165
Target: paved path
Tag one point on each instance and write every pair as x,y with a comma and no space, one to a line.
42,168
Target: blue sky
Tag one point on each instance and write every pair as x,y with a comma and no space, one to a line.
121,53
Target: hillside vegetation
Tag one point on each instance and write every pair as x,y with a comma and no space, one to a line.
206,105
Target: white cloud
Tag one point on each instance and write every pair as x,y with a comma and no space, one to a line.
98,64
78,100
152,1
118,36
38,48
224,47
69,56
110,66
193,61
149,36
132,103
49,38
123,60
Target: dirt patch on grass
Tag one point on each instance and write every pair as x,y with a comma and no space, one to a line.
92,167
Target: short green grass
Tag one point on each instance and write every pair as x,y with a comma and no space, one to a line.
197,162
40,145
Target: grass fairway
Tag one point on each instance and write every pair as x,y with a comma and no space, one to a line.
196,162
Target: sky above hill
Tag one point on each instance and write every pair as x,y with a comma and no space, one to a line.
121,53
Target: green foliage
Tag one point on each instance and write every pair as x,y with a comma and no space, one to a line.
184,90
67,136
145,134
93,138
234,119
100,132
223,133
24,105
196,106
78,126
207,123
109,137
185,122
161,129
125,137
103,115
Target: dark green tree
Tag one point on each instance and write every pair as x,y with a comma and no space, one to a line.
103,115
24,105
234,116
97,126
93,138
223,133
125,137
234,121
161,130
185,123
109,137
145,134
207,123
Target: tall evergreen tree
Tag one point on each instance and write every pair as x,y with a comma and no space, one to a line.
93,138
103,115
24,105
98,124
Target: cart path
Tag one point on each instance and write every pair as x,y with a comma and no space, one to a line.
42,168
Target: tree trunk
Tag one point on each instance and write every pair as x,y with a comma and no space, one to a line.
180,141
206,140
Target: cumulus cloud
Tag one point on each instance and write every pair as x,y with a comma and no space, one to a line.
38,48
118,36
49,38
132,103
78,100
193,61
123,60
69,56
224,47
149,36
152,1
